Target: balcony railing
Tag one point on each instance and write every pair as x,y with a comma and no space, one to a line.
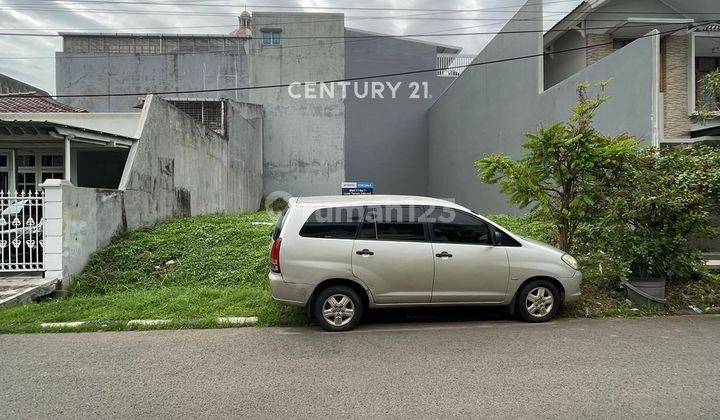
451,65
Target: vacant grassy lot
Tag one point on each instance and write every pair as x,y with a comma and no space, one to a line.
206,267
195,268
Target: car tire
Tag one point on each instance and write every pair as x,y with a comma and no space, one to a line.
538,301
338,308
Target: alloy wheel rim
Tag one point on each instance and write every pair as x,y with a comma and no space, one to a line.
539,302
338,310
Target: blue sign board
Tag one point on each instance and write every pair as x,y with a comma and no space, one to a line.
357,188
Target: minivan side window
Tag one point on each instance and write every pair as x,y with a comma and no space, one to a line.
333,223
393,223
457,227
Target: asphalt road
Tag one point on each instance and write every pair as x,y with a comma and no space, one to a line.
650,367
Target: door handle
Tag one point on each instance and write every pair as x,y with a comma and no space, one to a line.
444,254
365,252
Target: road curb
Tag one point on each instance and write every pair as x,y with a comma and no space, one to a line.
148,322
74,324
240,321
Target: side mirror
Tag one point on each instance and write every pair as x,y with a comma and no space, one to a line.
497,237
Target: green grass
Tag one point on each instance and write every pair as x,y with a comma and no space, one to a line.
186,269
194,270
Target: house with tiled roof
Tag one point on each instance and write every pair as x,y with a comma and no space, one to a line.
33,102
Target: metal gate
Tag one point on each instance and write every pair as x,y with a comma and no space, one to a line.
21,231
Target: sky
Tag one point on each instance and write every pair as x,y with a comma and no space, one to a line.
31,59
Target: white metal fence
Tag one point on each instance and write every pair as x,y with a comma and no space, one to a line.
21,231
451,65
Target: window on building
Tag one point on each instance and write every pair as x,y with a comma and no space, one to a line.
210,113
25,181
620,43
25,160
52,160
35,168
271,36
703,67
4,172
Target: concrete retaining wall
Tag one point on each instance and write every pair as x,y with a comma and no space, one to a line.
177,168
183,168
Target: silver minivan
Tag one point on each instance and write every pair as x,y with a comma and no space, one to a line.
340,255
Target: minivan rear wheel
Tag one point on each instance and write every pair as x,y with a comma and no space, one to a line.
538,301
338,308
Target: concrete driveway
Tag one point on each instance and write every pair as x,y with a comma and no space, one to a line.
659,367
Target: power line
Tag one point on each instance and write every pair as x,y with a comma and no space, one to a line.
262,6
193,13
352,79
294,21
344,18
234,15
322,44
235,25
373,36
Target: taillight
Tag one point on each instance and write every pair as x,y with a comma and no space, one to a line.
275,256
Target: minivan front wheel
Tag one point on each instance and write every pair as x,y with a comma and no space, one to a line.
538,301
337,308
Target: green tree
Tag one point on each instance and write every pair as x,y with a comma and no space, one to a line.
564,165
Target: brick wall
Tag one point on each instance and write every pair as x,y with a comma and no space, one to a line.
677,123
595,54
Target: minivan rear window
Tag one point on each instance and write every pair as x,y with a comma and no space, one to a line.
333,223
278,226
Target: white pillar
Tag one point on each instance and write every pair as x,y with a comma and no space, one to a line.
53,229
12,170
67,158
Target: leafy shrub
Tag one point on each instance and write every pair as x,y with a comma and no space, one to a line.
664,197
564,166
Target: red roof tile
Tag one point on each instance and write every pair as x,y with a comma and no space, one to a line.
32,102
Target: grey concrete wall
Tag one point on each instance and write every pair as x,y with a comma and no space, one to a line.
177,168
486,110
10,85
101,73
561,65
91,218
489,108
186,169
303,145
631,92
386,139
